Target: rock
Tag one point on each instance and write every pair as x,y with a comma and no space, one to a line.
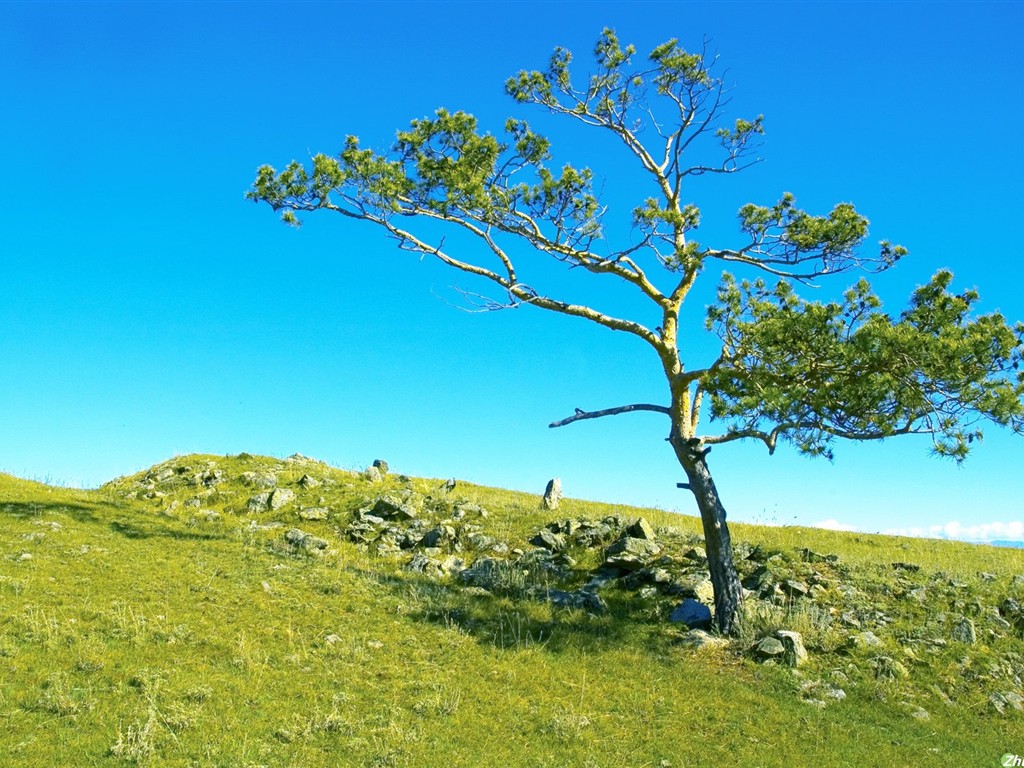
259,503
794,588
769,649
759,579
888,668
581,600
964,632
641,529
258,479
630,553
907,567
692,613
554,542
212,477
307,541
280,497
552,494
314,513
699,638
308,481
381,465
863,640
795,652
392,507
373,475
697,554
920,713
437,537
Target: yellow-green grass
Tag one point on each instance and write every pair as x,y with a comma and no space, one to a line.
138,633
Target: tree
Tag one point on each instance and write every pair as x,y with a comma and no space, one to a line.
788,370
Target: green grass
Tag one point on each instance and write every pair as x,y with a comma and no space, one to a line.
144,631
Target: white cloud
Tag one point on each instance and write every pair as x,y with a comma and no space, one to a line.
1012,531
833,525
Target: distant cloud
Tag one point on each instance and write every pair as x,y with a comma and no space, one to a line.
833,525
1011,531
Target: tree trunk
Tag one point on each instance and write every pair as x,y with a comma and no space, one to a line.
726,581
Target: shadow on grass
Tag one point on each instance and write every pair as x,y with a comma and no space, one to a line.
146,529
81,512
528,620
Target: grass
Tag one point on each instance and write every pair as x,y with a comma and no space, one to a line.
137,629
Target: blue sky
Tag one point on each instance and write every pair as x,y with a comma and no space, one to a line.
149,310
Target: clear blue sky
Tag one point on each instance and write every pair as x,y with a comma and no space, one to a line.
149,310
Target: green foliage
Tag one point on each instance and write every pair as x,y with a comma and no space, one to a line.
810,371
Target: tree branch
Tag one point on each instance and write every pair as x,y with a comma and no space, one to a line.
581,415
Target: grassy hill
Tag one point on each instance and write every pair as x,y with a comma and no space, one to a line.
250,611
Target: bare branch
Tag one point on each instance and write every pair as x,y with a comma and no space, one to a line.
581,415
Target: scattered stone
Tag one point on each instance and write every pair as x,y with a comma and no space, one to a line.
888,668
694,614
212,477
697,554
699,638
552,493
1012,699
373,475
794,588
280,497
307,541
258,479
759,579
964,632
793,643
641,529
308,481
630,553
259,503
555,542
25,556
920,713
332,639
392,507
908,567
314,513
208,515
769,649
581,600
863,640
381,465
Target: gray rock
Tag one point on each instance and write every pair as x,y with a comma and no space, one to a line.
212,477
306,541
964,632
554,542
373,475
692,613
258,479
381,465
314,513
631,553
795,652
769,649
888,668
259,503
697,554
794,588
392,507
581,600
281,497
641,529
863,640
760,578
552,493
308,481
698,638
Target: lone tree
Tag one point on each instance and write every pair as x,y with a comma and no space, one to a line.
788,370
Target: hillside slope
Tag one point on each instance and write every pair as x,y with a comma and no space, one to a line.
246,611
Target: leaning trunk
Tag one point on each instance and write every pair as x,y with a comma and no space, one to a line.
726,581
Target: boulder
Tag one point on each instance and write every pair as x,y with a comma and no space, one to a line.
392,507
863,640
554,542
258,479
259,503
581,600
964,632
630,553
552,493
373,474
793,642
381,465
314,513
641,529
306,541
692,613
280,497
308,481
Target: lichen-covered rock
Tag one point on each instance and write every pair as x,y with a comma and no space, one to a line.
280,497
